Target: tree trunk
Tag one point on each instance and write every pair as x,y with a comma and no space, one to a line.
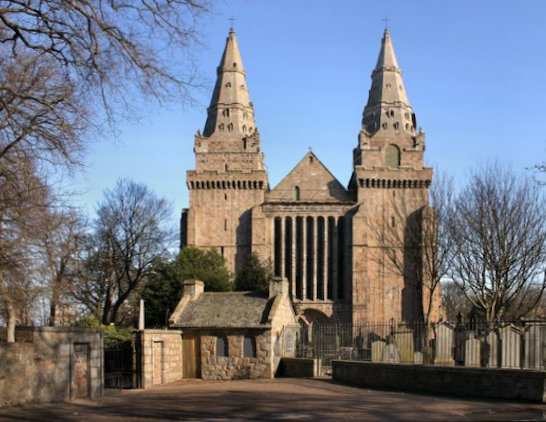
10,321
52,313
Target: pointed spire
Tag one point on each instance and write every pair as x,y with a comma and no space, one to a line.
231,59
230,112
386,58
388,107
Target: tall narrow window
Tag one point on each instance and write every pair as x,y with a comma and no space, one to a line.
299,257
222,347
249,346
341,257
277,246
310,256
297,193
320,258
392,156
288,249
331,249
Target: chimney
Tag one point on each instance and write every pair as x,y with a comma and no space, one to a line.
278,286
193,288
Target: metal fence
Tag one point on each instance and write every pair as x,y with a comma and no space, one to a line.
520,344
121,369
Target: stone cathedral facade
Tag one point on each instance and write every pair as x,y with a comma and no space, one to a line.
333,243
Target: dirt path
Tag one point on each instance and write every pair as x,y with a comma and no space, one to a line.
271,400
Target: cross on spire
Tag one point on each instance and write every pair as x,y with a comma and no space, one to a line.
232,19
386,20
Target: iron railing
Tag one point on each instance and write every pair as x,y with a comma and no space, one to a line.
519,344
121,367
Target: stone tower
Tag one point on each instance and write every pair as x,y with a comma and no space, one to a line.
391,186
229,176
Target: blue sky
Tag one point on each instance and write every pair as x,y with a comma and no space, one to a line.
474,71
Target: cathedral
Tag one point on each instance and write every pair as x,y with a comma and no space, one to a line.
347,252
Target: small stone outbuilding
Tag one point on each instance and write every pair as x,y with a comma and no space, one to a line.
232,335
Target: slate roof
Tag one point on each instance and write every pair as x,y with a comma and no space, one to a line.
226,310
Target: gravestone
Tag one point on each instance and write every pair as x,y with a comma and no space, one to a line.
403,338
391,354
378,350
472,352
444,344
493,346
534,338
510,337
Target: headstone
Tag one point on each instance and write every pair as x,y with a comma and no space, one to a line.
418,358
534,332
472,352
493,346
403,338
378,350
444,344
391,354
510,337
459,343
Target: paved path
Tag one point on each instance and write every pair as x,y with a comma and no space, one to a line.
272,400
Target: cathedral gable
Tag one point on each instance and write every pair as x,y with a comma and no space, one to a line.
309,181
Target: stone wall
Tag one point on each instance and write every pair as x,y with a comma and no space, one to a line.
161,356
236,366
299,367
476,382
48,364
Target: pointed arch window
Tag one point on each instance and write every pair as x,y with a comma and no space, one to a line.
230,127
392,156
297,194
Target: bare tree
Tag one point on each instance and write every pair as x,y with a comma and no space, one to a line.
57,55
41,115
23,198
67,67
61,240
499,234
130,236
455,301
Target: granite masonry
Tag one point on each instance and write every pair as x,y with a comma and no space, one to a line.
232,335
48,364
326,239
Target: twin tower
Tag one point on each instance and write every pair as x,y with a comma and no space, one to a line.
351,254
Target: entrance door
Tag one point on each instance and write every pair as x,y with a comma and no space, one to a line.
157,358
80,368
191,364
